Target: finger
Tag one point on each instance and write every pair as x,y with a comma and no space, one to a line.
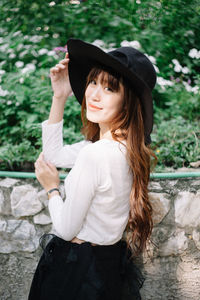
60,66
51,166
40,158
64,61
53,71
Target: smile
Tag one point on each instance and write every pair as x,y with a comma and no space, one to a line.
91,107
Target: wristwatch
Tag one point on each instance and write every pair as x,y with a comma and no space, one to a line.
52,190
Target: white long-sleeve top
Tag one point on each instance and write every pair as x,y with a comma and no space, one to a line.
96,208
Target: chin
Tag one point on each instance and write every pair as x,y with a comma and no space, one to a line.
91,118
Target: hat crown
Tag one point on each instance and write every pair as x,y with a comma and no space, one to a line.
136,62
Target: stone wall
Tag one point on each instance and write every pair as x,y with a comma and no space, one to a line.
171,265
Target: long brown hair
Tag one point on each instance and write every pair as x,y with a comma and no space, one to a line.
128,124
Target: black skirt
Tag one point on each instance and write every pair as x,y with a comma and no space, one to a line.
71,271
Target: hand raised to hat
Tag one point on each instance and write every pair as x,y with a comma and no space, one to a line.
60,79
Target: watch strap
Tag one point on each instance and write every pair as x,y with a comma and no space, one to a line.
52,190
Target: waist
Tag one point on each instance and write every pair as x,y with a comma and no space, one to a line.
78,241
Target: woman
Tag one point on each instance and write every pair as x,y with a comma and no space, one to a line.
106,189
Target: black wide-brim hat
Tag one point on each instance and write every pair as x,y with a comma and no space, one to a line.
134,66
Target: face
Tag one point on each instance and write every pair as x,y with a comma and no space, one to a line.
102,102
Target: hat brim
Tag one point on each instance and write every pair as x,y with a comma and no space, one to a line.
84,56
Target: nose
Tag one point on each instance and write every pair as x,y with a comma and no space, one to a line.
96,93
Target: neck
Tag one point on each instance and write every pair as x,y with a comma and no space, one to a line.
105,132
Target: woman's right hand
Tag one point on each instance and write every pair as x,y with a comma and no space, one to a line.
60,79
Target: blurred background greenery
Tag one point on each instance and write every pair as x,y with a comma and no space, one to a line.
33,35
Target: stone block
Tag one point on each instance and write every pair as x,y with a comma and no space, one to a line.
24,201
161,206
42,197
17,235
196,182
42,219
187,209
8,182
176,244
153,185
5,208
196,238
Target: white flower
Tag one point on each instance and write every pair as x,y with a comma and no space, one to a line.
99,43
138,1
9,102
195,89
1,40
175,62
177,68
20,46
16,33
156,69
3,92
163,82
55,35
31,67
28,67
4,47
125,44
34,53
10,50
35,38
189,32
21,80
28,46
75,1
193,53
2,63
135,44
51,53
19,64
23,53
2,72
185,70
12,55
38,28
52,3
151,58
17,103
42,51
189,88
14,9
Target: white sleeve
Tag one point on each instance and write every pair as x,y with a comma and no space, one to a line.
68,216
53,149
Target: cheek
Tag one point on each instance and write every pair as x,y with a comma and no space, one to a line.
116,105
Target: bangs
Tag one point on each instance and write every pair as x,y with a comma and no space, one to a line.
107,77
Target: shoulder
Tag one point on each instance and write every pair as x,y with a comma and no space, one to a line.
93,151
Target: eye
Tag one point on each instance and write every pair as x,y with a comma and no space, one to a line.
108,89
92,82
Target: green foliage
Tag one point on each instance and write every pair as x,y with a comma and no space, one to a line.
166,30
177,142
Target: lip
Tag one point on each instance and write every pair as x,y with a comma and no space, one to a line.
94,107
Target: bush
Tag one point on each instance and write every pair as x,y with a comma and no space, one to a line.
168,34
